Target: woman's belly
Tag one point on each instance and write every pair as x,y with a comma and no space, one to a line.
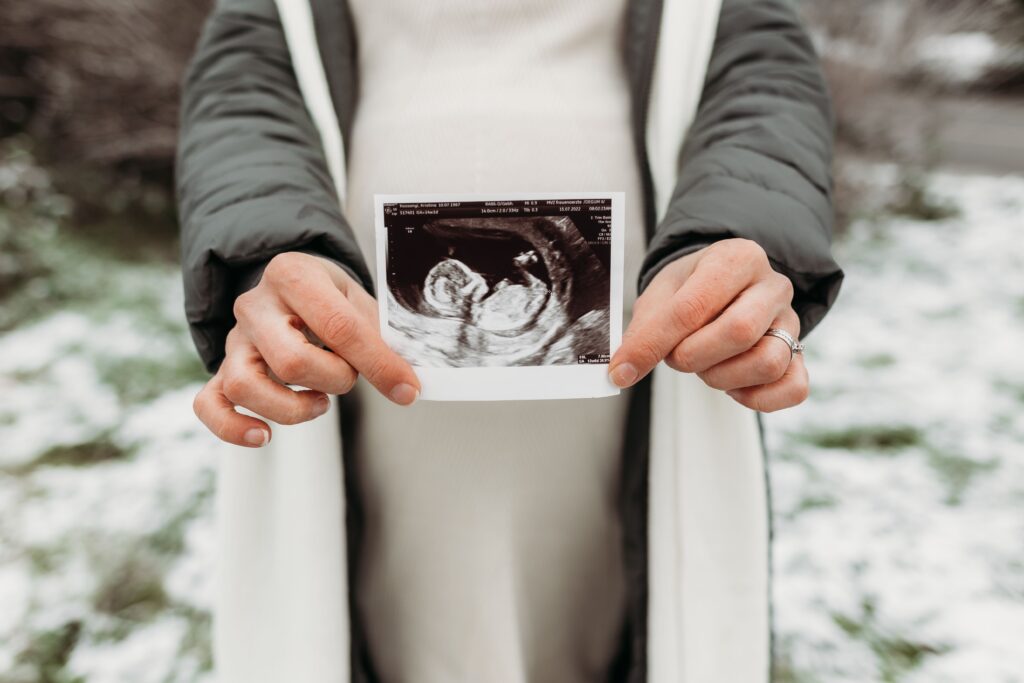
493,546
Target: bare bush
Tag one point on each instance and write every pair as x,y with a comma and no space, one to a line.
100,77
900,39
887,102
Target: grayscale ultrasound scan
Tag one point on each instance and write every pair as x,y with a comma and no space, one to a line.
504,283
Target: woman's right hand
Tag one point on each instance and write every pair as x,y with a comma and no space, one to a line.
269,347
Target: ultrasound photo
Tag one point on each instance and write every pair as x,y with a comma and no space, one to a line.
500,283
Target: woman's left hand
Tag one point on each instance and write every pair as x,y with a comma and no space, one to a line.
707,313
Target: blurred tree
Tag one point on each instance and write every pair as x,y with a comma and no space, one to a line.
97,81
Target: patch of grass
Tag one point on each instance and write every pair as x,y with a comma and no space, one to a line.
44,659
46,265
914,200
198,639
138,380
23,265
828,393
785,671
142,292
957,472
169,539
21,256
27,375
949,313
896,655
131,587
1014,389
95,451
868,437
810,502
110,630
44,560
1002,423
877,360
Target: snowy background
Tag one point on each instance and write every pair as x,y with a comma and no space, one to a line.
898,488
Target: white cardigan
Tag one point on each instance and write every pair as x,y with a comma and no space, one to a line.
281,611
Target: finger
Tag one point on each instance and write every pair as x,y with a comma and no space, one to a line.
247,384
787,392
361,300
702,297
736,330
662,287
765,362
293,358
348,333
218,414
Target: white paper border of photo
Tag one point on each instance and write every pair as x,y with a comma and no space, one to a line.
512,383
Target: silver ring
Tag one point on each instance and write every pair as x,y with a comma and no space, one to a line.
795,346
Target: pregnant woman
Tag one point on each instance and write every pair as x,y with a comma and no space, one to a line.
616,539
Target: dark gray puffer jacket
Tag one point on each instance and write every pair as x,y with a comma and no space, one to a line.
253,182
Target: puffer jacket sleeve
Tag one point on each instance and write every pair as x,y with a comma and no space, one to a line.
756,163
252,179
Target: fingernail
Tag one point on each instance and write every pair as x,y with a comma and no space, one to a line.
257,437
404,394
322,405
624,375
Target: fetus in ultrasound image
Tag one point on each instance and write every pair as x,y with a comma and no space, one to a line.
467,290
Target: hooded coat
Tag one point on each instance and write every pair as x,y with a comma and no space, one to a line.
733,132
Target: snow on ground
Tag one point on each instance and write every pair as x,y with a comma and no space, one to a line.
106,484
898,488
960,57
